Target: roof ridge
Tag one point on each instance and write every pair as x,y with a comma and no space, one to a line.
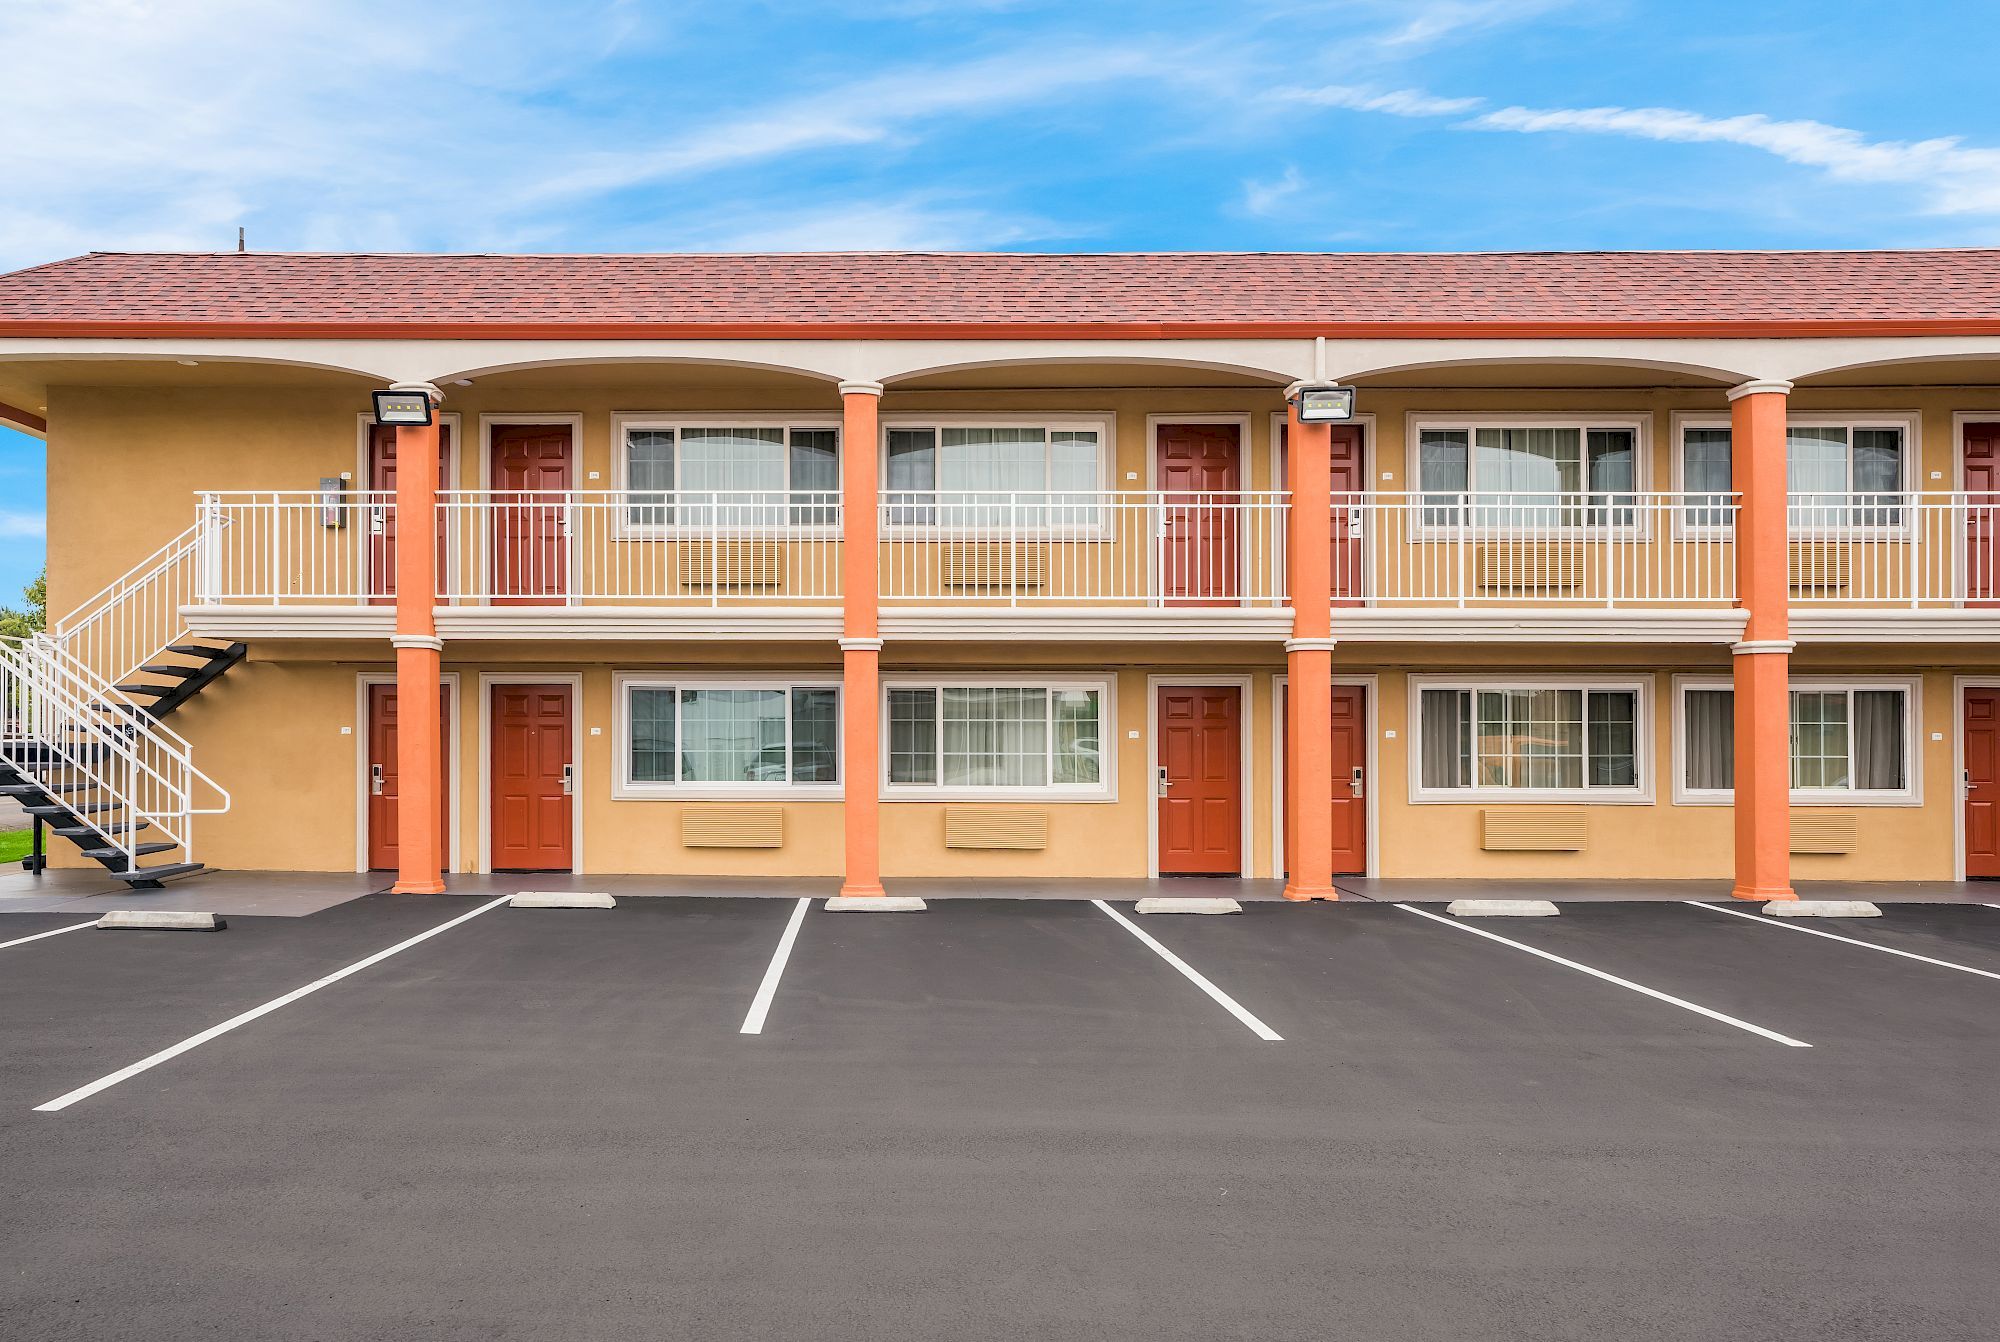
893,253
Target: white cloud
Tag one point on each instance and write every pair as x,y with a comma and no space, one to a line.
17,526
1956,179
1266,197
1397,102
1426,25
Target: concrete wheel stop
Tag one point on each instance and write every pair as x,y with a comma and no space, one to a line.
1501,908
158,920
875,904
561,899
1187,904
1821,908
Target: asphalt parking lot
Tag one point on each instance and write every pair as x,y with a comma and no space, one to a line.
728,1118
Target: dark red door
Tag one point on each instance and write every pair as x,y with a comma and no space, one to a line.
384,777
1350,781
531,477
531,778
1200,471
1981,482
1201,797
1982,784
1349,489
382,520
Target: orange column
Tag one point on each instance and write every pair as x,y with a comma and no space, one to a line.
1309,661
1762,662
419,652
861,638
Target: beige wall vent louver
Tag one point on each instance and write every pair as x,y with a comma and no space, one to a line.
1537,829
1824,832
733,827
995,827
994,565
1530,567
1818,568
743,564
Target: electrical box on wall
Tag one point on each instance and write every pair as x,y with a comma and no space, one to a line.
331,513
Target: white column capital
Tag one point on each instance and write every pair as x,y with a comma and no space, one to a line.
1757,645
861,389
428,642
1311,644
1761,387
861,645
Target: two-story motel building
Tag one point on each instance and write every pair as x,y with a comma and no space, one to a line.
864,566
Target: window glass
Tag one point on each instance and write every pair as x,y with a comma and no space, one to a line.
912,476
1078,759
1544,738
1878,477
653,736
815,735
649,466
1819,739
733,736
1708,754
913,736
1529,477
1841,740
732,476
815,477
1705,474
1877,732
1443,470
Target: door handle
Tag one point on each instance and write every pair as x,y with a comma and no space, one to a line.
1164,781
377,523
569,780
375,780
1355,781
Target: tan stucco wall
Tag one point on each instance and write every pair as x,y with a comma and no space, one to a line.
125,463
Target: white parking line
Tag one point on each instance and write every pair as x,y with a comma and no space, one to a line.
22,941
214,1031
1788,926
1228,1003
760,1005
1653,993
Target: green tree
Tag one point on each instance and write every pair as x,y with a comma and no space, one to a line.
35,618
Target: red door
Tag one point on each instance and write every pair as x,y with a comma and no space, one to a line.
382,521
384,777
531,474
1350,781
1982,784
1200,469
1981,476
1349,488
531,778
1201,793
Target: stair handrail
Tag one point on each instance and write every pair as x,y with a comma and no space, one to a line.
58,704
94,631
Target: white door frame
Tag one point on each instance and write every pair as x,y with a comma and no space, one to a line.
1246,800
1959,685
1372,780
487,680
363,734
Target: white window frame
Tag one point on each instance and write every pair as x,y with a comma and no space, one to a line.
1103,423
1910,794
624,422
1908,422
1104,790
627,788
1642,742
1640,423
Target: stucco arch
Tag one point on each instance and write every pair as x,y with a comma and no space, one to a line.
635,359
1230,364
1554,362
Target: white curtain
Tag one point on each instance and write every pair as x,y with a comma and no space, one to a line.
1709,750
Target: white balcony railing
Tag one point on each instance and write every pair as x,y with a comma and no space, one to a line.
637,547
1533,549
298,548
1083,549
1895,550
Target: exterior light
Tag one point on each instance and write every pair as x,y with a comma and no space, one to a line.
188,363
405,409
1325,404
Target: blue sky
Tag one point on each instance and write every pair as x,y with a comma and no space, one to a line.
523,125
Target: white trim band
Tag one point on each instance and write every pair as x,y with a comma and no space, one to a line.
1761,387
1763,645
860,389
427,388
861,645
428,642
1311,644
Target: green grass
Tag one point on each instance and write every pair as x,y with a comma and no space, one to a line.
15,844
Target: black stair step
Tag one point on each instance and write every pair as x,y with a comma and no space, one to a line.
211,651
99,831
150,877
88,808
155,690
139,850
34,789
172,669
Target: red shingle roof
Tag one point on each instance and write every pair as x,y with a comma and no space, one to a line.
912,293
